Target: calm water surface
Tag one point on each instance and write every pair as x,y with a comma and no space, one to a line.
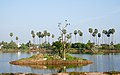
101,63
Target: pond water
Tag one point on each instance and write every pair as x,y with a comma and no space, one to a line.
101,63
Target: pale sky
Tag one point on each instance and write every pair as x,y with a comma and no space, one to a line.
22,16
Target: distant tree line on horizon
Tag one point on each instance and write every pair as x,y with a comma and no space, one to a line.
107,38
42,40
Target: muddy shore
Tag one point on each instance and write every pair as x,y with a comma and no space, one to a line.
70,73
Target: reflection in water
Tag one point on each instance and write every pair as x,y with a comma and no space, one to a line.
55,68
101,63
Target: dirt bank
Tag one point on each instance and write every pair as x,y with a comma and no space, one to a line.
70,73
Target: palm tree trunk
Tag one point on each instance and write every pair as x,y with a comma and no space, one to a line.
96,40
33,43
79,39
48,39
45,40
39,44
90,37
105,39
112,39
52,40
41,41
70,40
75,38
102,38
82,39
108,40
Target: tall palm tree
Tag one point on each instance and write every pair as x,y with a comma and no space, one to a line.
99,35
80,34
93,34
113,31
75,33
37,34
42,35
70,38
33,36
11,35
103,37
48,34
32,32
108,35
45,34
53,37
79,31
105,32
96,31
90,31
16,39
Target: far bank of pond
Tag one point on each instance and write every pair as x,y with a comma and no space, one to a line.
72,51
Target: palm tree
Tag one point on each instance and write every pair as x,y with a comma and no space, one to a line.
53,37
70,37
33,36
94,34
96,31
108,35
99,35
75,33
80,34
32,32
90,31
16,39
11,35
42,35
48,34
45,34
79,31
113,31
103,37
37,36
105,32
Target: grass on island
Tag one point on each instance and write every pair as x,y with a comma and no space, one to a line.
51,57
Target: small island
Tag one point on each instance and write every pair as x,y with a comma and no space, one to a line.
45,59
